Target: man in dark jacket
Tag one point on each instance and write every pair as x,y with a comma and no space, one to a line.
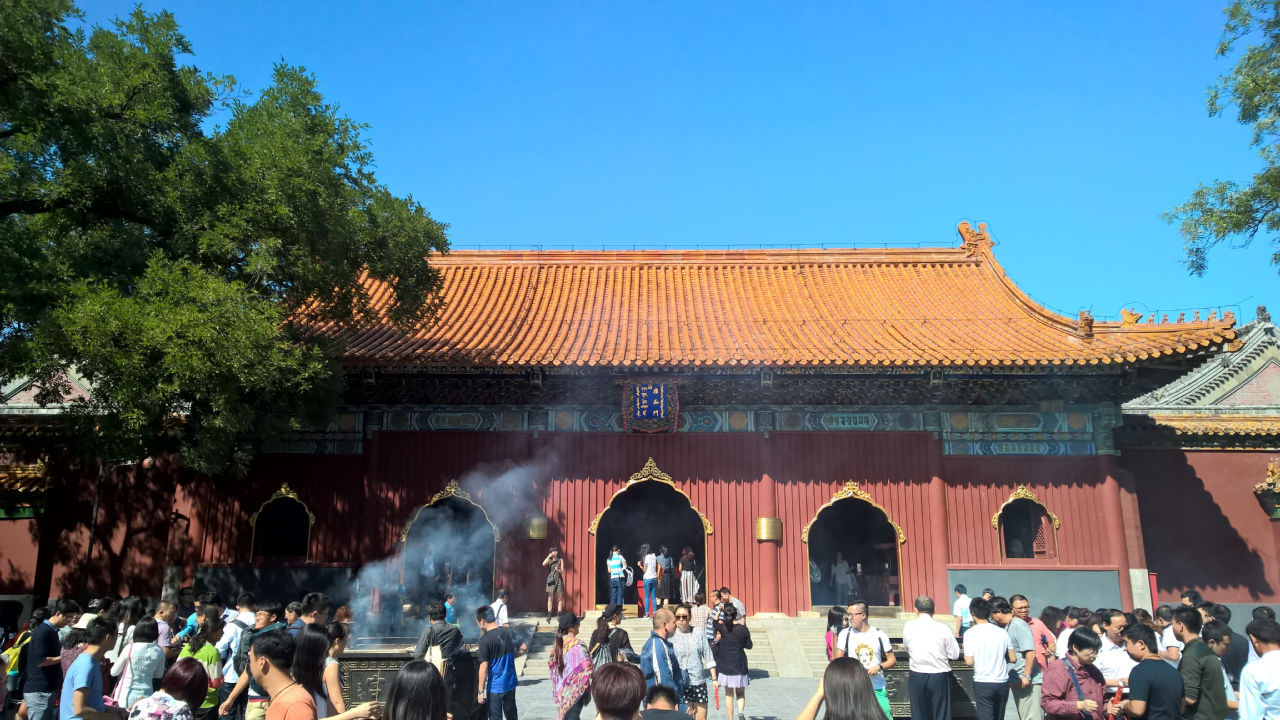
1237,653
439,633
1203,692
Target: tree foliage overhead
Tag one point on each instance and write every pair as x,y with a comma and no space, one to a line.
1225,210
178,267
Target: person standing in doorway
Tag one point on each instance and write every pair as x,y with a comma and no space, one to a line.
555,583
988,651
648,565
841,579
617,575
689,584
666,577
870,646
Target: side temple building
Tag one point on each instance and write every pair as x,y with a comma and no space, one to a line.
911,409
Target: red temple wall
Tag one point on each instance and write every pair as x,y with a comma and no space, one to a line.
1072,487
362,503
18,550
1202,525
49,555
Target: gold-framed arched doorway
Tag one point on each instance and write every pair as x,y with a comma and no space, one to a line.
461,545
852,497
286,531
673,522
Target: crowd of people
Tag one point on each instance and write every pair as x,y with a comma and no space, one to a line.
199,659
1066,664
690,645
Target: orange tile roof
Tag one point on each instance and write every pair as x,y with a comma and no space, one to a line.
797,308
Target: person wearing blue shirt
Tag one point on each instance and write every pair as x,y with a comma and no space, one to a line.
82,687
617,576
496,652
450,615
658,658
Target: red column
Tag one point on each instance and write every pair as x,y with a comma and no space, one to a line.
767,551
1113,519
938,555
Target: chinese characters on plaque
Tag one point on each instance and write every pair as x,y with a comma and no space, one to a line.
649,406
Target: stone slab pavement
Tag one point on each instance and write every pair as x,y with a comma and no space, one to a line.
768,698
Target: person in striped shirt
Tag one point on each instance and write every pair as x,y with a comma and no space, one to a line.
617,576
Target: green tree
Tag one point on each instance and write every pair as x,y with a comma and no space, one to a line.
183,268
1223,209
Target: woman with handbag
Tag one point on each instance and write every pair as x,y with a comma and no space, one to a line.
1073,688
570,669
555,582
139,665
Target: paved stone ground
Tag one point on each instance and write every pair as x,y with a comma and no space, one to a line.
768,698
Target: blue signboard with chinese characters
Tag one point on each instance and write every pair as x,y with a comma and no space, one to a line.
650,401
650,406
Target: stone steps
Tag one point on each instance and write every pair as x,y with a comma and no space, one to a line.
782,646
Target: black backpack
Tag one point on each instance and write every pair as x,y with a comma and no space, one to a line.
603,653
240,660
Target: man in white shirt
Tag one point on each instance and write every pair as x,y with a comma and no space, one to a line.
870,646
500,608
960,608
988,650
1074,619
930,649
1113,660
1260,680
1170,645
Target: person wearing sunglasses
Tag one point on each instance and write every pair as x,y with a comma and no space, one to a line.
693,652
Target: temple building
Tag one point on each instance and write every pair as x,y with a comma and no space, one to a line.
911,409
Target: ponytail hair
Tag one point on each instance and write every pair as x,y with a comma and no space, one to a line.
209,626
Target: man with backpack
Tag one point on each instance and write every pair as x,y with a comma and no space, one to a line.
44,662
15,656
241,696
870,646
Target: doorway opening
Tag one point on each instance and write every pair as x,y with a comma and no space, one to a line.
449,548
648,512
855,548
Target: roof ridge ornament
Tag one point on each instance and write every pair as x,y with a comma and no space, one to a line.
1084,324
975,241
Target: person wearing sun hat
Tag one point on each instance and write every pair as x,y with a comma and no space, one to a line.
570,668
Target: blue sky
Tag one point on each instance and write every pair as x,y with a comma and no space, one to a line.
1067,127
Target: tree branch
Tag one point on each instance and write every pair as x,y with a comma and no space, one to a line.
99,207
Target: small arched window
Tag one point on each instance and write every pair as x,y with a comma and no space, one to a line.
282,528
1026,527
